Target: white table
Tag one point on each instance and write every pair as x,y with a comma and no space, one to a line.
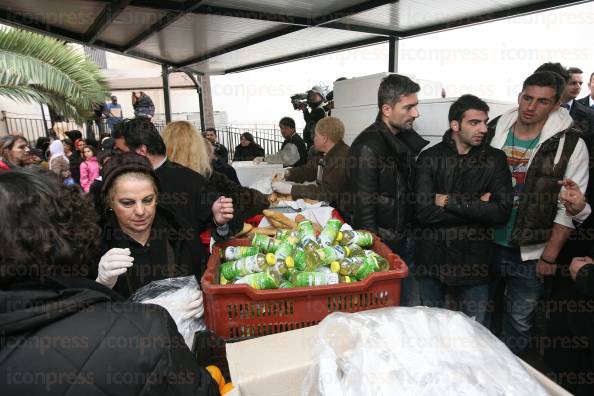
248,172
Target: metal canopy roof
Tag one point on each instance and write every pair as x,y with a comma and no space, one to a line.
218,36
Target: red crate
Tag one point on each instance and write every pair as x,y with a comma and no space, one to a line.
233,311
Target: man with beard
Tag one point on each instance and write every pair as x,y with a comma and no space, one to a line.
380,173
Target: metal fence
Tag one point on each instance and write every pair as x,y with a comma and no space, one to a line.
33,128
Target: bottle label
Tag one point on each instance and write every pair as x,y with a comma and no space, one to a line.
362,238
235,252
328,234
259,281
261,241
285,249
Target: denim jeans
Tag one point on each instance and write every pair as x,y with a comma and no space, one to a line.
522,292
471,300
409,296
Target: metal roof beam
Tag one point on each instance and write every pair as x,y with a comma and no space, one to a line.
491,16
310,54
106,17
243,44
290,19
168,19
25,22
290,29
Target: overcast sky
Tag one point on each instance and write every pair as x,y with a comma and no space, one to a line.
489,60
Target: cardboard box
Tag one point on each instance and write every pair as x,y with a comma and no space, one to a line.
277,364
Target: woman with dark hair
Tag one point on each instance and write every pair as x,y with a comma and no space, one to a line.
142,241
247,149
143,105
14,152
89,168
61,329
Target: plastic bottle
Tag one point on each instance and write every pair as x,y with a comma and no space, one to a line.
329,233
345,279
358,267
235,252
286,285
382,263
328,254
243,266
282,267
261,280
286,248
361,238
307,235
355,250
305,279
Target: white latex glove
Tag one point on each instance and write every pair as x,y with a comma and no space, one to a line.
258,160
113,264
282,187
196,307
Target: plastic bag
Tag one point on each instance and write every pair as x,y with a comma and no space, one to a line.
174,294
413,351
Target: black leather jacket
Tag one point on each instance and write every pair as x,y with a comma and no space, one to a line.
453,242
379,178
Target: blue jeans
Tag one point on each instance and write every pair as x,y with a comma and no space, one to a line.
409,296
471,300
522,292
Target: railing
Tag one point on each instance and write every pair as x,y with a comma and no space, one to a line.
33,128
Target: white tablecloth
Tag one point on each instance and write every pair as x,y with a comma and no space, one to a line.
248,172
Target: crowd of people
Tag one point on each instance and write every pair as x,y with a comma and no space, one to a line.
492,221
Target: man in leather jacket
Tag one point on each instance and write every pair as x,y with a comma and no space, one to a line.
380,173
463,188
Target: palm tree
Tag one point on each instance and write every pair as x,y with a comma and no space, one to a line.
35,68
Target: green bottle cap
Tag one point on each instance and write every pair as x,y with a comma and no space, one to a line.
270,258
335,266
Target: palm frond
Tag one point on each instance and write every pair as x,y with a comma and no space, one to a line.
65,79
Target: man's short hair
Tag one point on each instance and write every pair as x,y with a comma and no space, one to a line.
555,68
211,129
288,122
464,103
140,131
574,70
393,87
331,127
546,79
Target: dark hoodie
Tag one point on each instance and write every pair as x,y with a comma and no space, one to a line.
74,336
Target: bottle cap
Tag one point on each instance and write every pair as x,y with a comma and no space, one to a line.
335,266
270,258
339,236
346,279
347,250
290,262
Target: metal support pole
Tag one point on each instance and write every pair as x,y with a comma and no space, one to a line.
165,75
393,55
201,104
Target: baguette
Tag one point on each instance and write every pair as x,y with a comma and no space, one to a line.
246,229
279,218
270,230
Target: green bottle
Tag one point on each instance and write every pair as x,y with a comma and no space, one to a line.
235,252
355,250
261,280
305,279
329,233
361,238
328,254
381,262
307,235
286,285
279,266
359,267
345,279
286,248
243,266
